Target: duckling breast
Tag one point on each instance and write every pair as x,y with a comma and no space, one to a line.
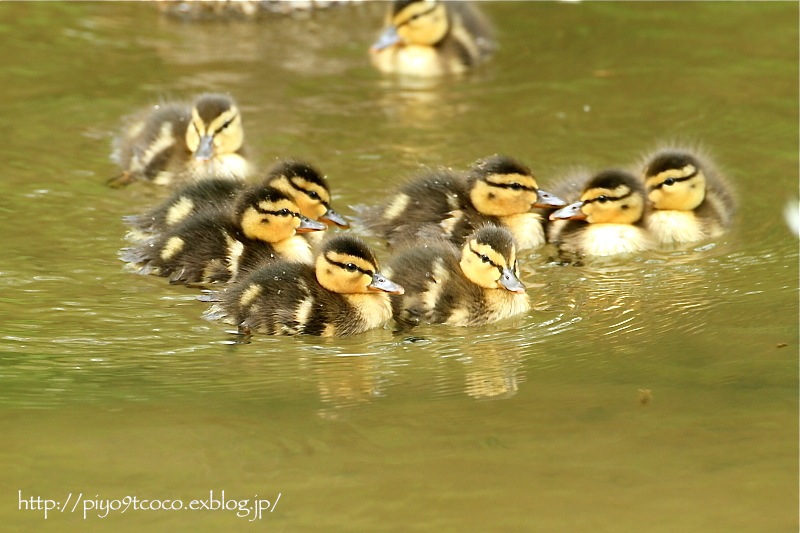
603,240
672,227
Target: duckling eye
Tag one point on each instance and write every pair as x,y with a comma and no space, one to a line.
602,199
669,181
284,212
350,267
313,195
485,258
228,123
515,186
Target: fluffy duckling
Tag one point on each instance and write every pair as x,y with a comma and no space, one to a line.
178,142
475,285
343,293
432,38
302,182
497,190
690,200
216,245
608,219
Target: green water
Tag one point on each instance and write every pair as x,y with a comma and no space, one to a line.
111,385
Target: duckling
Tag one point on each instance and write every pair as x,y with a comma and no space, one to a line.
497,190
178,142
302,182
475,285
690,199
608,219
343,293
432,38
216,245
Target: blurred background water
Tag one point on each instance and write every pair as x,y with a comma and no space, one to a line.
658,392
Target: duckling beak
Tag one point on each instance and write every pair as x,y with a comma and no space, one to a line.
205,150
546,199
307,225
332,217
379,283
571,212
386,39
511,282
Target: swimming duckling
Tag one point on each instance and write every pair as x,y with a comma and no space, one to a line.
302,182
608,219
178,142
497,190
216,245
431,38
344,293
690,200
475,285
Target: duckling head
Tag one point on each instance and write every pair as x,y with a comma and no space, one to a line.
309,188
270,215
675,181
215,128
501,186
415,22
489,260
347,266
610,197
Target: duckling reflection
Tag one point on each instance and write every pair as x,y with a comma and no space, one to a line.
218,245
346,381
691,200
608,220
492,374
474,285
497,190
432,38
177,142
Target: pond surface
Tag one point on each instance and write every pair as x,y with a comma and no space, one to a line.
655,393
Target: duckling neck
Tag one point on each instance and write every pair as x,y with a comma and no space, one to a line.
373,308
295,248
613,239
527,229
501,303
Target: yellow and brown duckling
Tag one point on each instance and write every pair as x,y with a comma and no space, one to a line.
497,190
343,293
689,198
218,245
474,285
178,142
607,220
432,38
301,181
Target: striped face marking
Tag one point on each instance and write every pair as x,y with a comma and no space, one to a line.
344,273
504,195
422,23
677,189
620,205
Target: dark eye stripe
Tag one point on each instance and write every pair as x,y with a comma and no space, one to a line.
277,213
228,123
517,186
344,266
308,193
480,256
416,16
675,180
607,197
